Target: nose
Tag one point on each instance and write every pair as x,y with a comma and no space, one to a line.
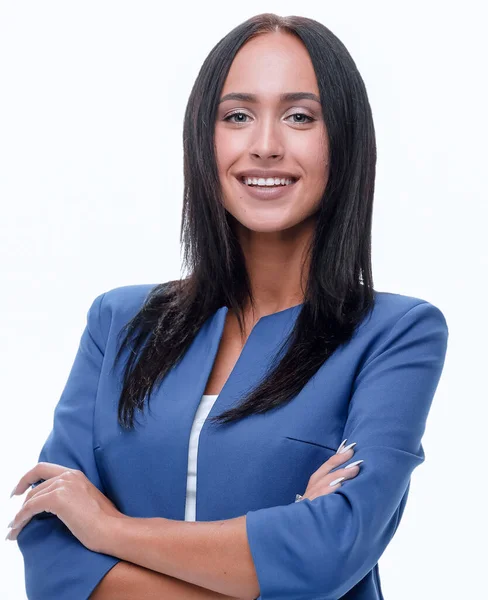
267,141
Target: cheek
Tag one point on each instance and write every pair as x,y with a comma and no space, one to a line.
313,154
228,148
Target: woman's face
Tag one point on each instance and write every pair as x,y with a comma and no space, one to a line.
278,137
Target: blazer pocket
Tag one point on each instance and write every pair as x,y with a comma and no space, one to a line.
302,458
312,443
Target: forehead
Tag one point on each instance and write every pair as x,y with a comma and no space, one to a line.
271,64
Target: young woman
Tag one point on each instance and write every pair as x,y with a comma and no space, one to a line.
196,410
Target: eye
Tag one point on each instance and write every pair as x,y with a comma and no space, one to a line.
300,122
229,117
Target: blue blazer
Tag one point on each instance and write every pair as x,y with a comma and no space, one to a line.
376,390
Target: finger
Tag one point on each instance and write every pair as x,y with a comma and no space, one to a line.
348,472
42,470
327,481
40,488
338,459
20,517
329,484
40,503
331,463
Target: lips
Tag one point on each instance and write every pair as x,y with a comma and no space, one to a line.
267,192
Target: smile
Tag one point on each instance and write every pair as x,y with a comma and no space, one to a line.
262,191
269,182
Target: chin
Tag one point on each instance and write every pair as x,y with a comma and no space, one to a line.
260,225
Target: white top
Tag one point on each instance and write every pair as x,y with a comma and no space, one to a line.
201,415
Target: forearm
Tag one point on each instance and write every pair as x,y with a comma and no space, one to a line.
126,581
213,555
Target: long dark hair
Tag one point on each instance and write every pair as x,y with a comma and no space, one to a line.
339,291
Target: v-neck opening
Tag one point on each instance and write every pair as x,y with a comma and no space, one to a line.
221,314
278,312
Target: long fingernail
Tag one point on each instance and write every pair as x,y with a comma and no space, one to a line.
13,491
336,481
344,450
353,464
342,444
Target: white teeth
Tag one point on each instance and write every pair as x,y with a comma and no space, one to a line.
270,181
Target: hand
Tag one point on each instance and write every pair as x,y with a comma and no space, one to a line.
71,496
319,482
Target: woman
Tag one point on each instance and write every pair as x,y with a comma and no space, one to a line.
272,354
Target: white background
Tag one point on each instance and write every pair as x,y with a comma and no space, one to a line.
92,98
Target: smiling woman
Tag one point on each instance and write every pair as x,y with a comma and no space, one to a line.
272,353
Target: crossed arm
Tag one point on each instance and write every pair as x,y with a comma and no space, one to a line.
198,559
127,581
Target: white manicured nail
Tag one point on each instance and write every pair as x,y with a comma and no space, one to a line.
353,464
340,447
336,481
344,450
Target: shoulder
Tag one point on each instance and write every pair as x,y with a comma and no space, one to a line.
400,333
112,309
396,316
125,301
389,308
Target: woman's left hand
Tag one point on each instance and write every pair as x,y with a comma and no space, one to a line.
72,497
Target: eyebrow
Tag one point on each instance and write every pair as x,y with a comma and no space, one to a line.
287,97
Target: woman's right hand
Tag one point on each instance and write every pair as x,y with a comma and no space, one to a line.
319,482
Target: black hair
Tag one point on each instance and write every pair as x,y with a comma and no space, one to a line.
339,291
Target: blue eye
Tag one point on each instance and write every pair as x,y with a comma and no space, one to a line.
308,119
229,117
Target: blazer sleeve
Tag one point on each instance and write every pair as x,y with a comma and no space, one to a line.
322,548
56,564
